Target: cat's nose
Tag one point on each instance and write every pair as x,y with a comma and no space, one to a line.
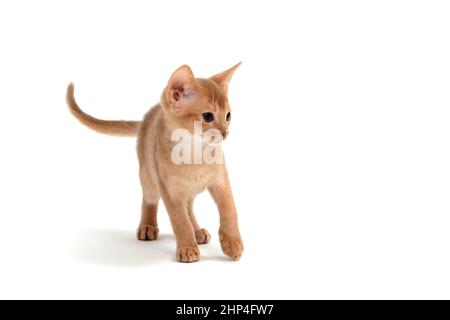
224,133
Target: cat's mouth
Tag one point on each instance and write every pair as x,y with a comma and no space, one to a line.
208,139
213,140
215,136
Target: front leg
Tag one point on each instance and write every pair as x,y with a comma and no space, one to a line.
201,234
229,236
187,249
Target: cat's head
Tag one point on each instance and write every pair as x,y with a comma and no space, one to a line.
187,99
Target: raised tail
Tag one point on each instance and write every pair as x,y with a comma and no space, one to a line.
115,128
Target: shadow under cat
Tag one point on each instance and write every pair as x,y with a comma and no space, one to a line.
120,248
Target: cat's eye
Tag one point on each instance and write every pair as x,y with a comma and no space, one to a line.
228,116
208,117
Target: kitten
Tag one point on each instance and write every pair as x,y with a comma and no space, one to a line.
184,100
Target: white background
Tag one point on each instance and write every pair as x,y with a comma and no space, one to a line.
338,150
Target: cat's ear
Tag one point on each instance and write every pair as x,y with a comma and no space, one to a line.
182,87
224,77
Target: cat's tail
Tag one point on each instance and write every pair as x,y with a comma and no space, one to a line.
116,128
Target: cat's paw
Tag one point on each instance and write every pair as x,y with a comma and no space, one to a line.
147,232
202,236
232,246
188,254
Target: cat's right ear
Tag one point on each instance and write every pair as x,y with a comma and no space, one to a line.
182,87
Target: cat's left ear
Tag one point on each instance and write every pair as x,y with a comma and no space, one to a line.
224,77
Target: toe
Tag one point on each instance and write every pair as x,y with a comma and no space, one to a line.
202,236
232,247
188,254
147,232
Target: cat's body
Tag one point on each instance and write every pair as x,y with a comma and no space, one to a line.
185,100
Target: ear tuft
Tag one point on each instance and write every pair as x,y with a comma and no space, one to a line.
224,77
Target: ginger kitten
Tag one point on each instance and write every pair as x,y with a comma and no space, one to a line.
186,100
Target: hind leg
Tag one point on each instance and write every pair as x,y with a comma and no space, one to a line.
148,227
202,235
